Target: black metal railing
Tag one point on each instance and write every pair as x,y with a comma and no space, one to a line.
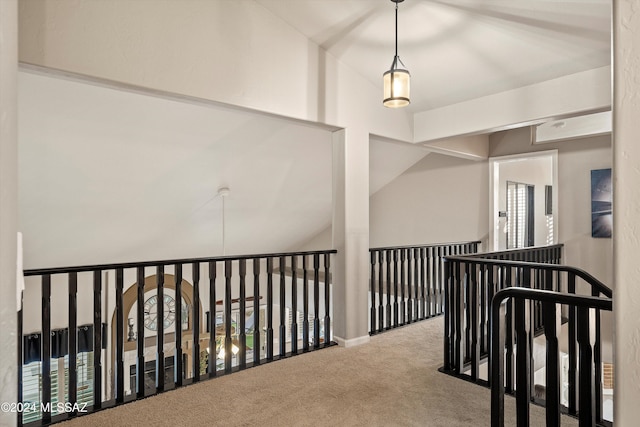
471,284
104,335
586,308
407,282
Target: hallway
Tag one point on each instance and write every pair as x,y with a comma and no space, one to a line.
392,381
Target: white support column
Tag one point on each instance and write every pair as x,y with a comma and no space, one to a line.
8,205
351,236
626,210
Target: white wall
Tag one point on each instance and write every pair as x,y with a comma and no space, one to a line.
8,204
576,159
439,199
626,209
234,52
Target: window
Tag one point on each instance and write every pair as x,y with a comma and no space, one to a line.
32,383
520,215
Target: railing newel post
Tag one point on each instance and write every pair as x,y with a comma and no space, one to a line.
327,299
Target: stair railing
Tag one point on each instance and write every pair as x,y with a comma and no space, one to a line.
588,381
471,283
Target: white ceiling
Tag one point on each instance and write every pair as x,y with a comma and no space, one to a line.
457,50
109,175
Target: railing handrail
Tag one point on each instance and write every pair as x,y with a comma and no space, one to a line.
591,280
430,245
497,355
86,268
551,296
515,250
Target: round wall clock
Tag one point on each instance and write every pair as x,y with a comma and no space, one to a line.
151,312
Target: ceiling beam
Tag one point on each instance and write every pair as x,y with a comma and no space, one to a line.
587,91
474,147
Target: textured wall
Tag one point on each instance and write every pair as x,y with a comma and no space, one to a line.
8,204
626,208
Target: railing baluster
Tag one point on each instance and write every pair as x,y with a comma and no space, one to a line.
73,343
458,311
269,349
372,309
294,305
316,300
256,311
466,294
327,299
195,310
446,251
242,353
410,298
177,355
423,285
160,329
490,292
586,413
497,360
431,298
509,322
396,314
213,314
46,345
597,362
475,322
552,380
305,305
283,329
388,306
437,281
120,379
140,340
573,349
448,268
416,284
97,339
523,389
228,340
483,308
380,292
403,286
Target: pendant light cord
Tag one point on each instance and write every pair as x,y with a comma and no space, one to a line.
396,30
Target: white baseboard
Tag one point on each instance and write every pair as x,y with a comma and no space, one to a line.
352,342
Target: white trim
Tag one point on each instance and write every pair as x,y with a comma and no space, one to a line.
352,342
493,191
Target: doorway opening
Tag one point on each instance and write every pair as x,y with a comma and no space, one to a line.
523,194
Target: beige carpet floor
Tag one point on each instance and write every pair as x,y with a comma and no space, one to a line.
392,381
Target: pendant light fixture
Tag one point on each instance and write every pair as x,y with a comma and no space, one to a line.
396,80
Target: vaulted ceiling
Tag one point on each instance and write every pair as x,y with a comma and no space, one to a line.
457,50
111,175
